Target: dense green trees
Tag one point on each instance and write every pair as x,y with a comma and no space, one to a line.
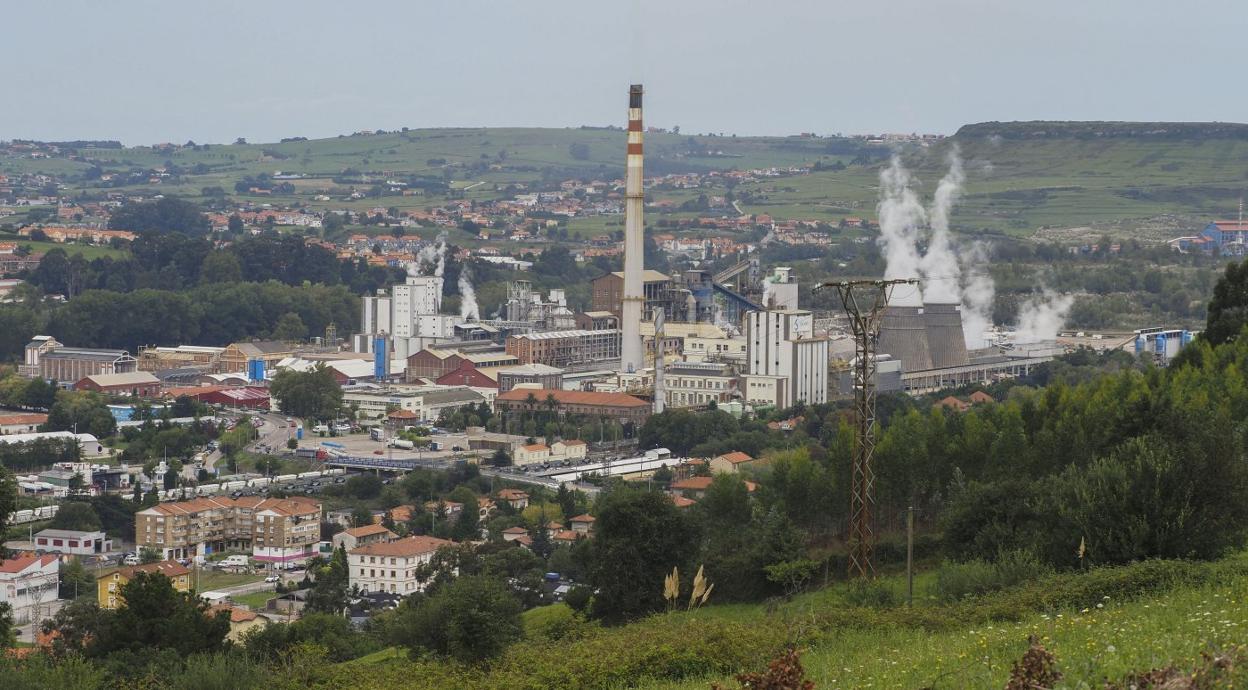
312,394
470,619
81,411
330,587
75,515
639,537
154,617
169,214
1228,310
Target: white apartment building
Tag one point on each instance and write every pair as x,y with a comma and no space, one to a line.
781,342
28,583
392,566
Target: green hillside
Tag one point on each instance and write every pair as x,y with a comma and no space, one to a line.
1101,625
1147,180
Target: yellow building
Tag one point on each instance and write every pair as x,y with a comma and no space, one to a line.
109,584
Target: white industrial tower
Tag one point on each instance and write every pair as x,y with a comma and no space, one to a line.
631,350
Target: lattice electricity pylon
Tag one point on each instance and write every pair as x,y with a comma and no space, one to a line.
866,314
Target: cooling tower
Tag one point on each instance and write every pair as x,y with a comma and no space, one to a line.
945,339
903,334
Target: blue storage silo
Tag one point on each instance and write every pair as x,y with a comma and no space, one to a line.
381,359
255,370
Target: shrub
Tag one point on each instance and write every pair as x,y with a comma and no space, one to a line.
870,594
974,578
555,622
579,598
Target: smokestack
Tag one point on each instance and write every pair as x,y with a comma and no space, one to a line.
631,351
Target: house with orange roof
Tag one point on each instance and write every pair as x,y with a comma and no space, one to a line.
27,582
952,403
731,462
514,533
393,566
583,524
695,487
108,584
241,620
517,499
363,536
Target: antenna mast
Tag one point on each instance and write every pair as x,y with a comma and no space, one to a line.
864,302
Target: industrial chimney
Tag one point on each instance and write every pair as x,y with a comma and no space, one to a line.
633,303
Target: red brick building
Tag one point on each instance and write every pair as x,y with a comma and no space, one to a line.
466,374
139,384
615,406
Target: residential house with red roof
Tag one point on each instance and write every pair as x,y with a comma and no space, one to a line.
28,582
393,566
731,462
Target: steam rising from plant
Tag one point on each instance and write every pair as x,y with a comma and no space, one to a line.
433,254
467,295
978,292
948,273
1041,316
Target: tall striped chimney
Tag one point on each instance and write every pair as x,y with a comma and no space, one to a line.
631,350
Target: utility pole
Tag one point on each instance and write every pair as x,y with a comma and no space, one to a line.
864,302
910,556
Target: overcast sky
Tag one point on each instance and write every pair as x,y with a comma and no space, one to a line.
213,70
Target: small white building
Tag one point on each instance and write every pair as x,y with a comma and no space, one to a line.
29,583
392,566
73,542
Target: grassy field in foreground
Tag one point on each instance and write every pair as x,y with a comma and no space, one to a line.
1100,625
1104,641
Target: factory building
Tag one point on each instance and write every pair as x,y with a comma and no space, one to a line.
529,376
782,343
406,319
619,407
564,348
923,348
50,360
524,304
688,384
657,289
1162,344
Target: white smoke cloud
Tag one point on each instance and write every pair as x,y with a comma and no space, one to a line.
978,291
901,215
949,272
1041,316
434,255
467,296
939,266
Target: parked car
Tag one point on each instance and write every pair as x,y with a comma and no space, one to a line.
130,559
273,578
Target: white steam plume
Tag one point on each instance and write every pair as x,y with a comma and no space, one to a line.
939,266
1041,316
978,292
435,254
467,296
901,214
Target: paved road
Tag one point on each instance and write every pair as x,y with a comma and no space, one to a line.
272,433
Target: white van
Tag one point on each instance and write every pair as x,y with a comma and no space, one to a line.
236,561
320,429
